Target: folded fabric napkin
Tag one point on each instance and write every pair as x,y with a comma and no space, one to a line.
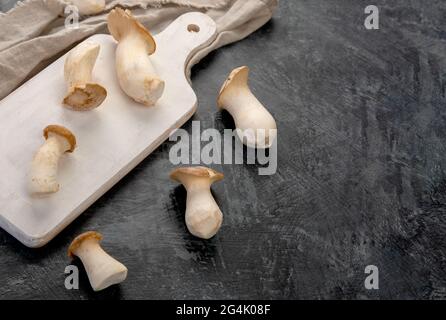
33,34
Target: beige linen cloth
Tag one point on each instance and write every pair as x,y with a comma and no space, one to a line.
33,34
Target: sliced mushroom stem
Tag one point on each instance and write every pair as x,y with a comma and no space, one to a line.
136,73
102,269
256,127
89,7
203,216
44,166
82,94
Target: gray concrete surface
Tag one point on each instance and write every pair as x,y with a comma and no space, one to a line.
361,177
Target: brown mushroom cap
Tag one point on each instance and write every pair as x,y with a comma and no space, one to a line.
63,132
237,78
85,97
81,238
202,172
121,23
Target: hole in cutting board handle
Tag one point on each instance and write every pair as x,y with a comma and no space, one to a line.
193,28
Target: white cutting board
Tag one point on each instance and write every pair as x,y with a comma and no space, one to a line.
111,140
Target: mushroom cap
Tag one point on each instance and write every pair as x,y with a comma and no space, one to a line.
85,97
77,242
238,78
199,172
63,132
122,22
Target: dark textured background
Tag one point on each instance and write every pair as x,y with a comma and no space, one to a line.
361,177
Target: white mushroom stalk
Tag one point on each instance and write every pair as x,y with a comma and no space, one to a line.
136,73
43,177
102,269
89,7
255,126
82,94
203,216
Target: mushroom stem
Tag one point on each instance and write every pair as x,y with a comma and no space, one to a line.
203,216
256,126
102,269
202,208
89,7
136,73
82,94
45,162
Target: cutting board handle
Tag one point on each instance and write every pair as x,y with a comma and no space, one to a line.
185,36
